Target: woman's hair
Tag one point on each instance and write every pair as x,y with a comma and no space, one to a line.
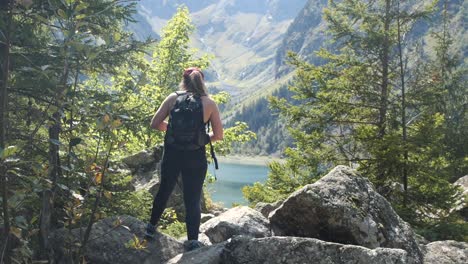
193,81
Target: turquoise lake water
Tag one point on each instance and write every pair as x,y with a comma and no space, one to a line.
231,179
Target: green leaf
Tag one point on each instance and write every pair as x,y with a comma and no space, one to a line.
8,152
117,36
62,14
41,18
80,16
81,6
75,141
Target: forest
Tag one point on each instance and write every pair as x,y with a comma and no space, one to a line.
77,94
78,91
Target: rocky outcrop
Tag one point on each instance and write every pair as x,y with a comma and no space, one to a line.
292,250
461,205
266,208
143,158
240,220
110,242
338,219
206,217
205,255
343,207
446,252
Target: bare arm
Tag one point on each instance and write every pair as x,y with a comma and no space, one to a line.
216,124
158,122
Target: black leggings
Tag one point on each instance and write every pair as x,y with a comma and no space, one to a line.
192,166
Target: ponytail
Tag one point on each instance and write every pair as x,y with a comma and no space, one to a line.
193,81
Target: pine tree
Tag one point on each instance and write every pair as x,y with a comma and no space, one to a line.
363,110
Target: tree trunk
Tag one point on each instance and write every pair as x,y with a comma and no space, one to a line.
54,160
4,80
403,112
385,60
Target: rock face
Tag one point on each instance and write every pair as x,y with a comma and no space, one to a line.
266,208
205,255
343,207
109,243
446,252
292,250
240,220
338,219
137,160
462,205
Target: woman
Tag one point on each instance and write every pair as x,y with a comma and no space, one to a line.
187,158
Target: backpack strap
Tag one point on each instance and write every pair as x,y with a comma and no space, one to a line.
213,155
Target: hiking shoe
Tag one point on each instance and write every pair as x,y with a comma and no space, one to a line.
192,245
150,231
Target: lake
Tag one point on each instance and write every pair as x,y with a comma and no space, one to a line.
231,178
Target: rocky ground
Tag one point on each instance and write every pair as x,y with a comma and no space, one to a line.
338,219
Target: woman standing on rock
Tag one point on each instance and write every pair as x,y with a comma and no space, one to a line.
189,110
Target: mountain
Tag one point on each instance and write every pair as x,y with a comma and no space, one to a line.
306,33
250,40
141,29
304,36
243,35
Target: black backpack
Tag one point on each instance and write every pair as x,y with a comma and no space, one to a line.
186,129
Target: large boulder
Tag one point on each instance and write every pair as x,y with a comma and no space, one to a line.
344,207
461,205
241,220
204,255
266,208
110,242
293,250
140,159
446,252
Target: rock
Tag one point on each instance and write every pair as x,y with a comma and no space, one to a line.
218,211
293,250
240,220
266,208
463,182
142,158
204,239
206,217
204,255
446,252
421,240
461,206
343,207
109,243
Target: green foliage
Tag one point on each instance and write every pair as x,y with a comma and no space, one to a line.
351,111
169,225
137,244
271,131
81,94
176,229
455,229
